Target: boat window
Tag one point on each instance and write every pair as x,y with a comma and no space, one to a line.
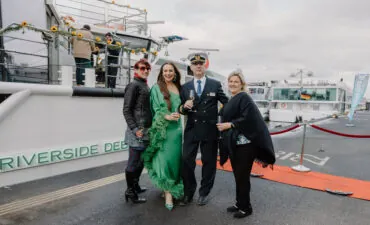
134,43
26,52
154,46
179,66
307,94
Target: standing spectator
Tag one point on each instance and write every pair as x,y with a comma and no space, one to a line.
113,56
82,50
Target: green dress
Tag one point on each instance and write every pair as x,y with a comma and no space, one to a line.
162,158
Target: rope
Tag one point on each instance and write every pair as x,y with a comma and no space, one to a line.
338,133
286,130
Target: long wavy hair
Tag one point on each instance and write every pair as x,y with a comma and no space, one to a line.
163,86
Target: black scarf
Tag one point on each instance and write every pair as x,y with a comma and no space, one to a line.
244,114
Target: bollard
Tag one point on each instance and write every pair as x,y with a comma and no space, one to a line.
67,76
89,77
321,148
301,167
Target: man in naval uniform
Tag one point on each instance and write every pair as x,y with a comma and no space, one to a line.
200,130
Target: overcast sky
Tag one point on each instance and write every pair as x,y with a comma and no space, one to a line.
270,39
267,39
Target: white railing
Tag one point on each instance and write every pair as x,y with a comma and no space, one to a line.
102,13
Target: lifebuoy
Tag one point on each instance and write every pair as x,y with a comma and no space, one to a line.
207,64
283,105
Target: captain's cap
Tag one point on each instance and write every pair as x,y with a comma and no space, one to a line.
198,57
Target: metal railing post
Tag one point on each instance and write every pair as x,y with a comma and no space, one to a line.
301,167
106,66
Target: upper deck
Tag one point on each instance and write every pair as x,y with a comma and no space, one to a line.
104,14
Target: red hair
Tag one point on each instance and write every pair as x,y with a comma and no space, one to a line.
142,61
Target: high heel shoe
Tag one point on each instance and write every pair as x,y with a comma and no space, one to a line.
168,201
169,206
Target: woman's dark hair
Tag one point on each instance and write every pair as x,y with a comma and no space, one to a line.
163,86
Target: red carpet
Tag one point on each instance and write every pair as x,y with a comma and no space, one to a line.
312,180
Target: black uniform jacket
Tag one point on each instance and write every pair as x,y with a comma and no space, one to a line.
201,125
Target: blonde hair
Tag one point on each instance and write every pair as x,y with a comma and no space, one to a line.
238,73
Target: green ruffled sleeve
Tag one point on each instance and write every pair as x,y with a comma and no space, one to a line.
157,135
157,132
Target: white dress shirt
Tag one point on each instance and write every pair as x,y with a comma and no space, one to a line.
202,84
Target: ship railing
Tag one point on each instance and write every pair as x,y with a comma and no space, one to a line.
103,14
45,67
19,65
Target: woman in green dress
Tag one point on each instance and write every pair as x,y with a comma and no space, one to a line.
162,158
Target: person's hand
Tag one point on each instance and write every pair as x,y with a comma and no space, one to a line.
223,126
139,133
176,115
172,117
189,104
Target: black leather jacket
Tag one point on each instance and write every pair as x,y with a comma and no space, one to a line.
136,105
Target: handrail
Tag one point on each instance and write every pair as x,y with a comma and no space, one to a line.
22,39
23,53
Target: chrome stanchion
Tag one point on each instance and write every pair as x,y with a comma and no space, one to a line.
301,167
106,65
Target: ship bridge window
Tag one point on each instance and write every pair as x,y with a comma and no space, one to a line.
307,94
129,41
179,66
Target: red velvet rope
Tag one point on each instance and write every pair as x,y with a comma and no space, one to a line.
340,134
284,131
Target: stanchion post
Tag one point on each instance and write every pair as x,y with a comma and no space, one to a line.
66,76
106,65
301,167
89,77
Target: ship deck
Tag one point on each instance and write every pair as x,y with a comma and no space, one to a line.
95,196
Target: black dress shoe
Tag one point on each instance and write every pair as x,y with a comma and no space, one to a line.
241,214
202,200
130,194
232,209
139,189
185,201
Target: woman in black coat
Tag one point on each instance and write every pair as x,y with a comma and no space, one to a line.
245,138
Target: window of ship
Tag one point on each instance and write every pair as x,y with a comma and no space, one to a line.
252,91
179,66
308,94
262,104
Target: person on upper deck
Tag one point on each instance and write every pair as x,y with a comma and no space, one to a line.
113,56
82,51
245,138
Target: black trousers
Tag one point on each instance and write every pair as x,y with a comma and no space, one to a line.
209,159
242,162
135,163
112,72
